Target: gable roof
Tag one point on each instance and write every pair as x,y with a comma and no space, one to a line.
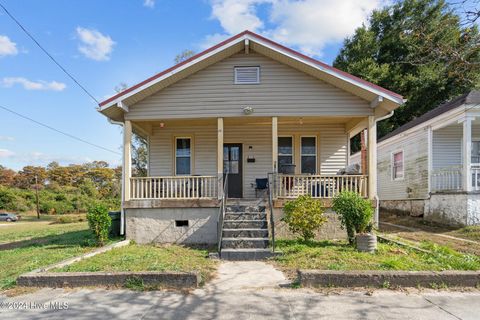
467,98
341,79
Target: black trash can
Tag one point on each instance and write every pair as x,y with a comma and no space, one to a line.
115,226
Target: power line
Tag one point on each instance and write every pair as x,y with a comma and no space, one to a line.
48,54
56,130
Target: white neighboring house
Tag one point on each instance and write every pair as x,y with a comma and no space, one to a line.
431,165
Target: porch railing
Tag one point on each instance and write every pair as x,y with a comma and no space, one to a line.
451,178
174,187
318,186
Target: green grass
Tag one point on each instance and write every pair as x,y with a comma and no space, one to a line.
328,255
32,256
470,233
148,258
23,230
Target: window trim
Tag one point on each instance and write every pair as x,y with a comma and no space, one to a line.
284,154
175,138
316,152
235,68
392,154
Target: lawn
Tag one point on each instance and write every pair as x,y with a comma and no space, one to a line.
338,255
67,243
148,258
24,230
470,233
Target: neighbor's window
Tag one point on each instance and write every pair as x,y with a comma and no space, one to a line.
309,155
285,151
183,156
247,75
397,165
475,152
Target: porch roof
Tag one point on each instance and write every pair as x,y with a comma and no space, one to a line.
115,106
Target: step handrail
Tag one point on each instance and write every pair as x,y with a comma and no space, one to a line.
271,177
221,213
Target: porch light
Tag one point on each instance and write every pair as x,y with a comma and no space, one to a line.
162,125
248,110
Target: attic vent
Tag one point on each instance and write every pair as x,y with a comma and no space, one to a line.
247,75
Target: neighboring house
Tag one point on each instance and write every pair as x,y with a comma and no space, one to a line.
248,106
431,165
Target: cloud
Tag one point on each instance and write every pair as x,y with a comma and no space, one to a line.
308,25
33,85
6,138
95,45
7,47
149,3
4,153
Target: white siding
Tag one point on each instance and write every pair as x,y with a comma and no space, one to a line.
283,91
415,153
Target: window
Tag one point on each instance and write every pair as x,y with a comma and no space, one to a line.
309,155
475,152
397,165
285,151
247,75
183,156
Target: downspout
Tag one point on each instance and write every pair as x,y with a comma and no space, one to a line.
377,201
122,210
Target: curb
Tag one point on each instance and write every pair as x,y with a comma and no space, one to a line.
386,279
178,280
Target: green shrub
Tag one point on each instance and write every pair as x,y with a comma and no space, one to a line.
355,213
99,222
304,216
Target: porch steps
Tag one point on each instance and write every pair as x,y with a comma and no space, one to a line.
245,231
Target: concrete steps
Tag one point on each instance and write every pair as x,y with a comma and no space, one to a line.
245,231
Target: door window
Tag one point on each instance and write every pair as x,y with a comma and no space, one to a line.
285,151
309,155
231,160
183,156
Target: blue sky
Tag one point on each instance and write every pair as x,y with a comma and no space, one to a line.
104,43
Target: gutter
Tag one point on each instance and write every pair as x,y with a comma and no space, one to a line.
122,210
377,200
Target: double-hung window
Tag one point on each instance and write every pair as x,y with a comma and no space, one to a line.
397,165
183,156
309,155
285,151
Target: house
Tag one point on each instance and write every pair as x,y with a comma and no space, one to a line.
431,165
251,108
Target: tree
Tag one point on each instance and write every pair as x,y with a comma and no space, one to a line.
417,48
25,178
184,55
7,176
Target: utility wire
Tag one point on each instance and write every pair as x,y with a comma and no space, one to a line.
48,54
56,130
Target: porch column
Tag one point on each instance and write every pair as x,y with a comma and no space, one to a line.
467,153
220,156
127,158
372,157
274,144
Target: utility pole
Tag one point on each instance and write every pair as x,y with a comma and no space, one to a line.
36,195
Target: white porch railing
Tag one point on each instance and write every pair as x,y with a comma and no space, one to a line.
319,186
451,178
447,179
174,187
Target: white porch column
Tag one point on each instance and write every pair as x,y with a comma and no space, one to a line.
467,153
372,157
127,158
220,156
274,144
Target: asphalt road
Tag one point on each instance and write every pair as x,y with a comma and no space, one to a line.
250,290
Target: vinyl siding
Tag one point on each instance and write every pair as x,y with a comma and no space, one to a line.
283,91
415,182
331,148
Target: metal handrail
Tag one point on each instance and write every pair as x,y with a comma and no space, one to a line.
271,177
221,213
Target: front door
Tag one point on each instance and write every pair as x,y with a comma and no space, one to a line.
232,164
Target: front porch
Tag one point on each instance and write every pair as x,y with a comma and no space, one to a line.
188,159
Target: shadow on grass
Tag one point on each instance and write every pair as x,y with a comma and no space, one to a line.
84,238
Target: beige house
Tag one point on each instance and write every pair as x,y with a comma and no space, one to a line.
250,107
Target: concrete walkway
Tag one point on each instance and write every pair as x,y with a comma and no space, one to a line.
246,290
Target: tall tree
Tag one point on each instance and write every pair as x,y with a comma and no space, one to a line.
417,48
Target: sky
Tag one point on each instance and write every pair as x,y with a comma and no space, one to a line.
108,42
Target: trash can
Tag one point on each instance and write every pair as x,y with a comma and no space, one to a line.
115,226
